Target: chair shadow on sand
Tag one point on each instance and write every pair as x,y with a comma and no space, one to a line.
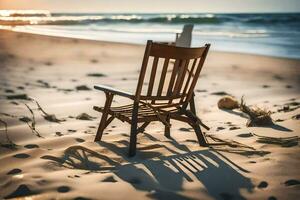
163,176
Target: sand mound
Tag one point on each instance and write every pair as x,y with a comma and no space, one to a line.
228,102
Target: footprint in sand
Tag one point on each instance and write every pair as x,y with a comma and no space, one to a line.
245,135
201,90
234,128
82,88
14,171
20,87
262,185
81,198
185,129
84,116
222,93
96,75
31,146
42,182
220,128
109,179
48,63
21,155
292,182
18,97
124,134
9,91
58,133
88,132
63,189
75,176
265,86
288,86
94,61
278,77
21,191
79,140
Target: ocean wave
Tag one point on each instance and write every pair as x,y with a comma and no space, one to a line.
73,20
25,13
46,18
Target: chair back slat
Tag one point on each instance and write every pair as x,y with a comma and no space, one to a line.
163,77
189,78
197,73
170,81
181,77
152,76
173,76
143,70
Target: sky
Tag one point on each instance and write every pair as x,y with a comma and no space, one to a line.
205,6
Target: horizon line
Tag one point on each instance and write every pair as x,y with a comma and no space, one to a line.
155,12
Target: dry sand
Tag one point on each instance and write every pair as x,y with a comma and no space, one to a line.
65,163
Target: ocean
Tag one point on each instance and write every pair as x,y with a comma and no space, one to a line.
263,34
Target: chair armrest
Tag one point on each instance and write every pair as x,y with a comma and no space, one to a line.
105,88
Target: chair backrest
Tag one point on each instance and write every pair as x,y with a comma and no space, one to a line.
169,73
185,37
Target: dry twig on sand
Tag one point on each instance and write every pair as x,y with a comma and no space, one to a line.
26,119
283,141
257,116
236,147
32,125
10,144
31,121
231,143
48,117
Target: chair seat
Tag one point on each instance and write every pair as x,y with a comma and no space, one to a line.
124,113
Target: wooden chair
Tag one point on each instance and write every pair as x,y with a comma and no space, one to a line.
184,39
164,91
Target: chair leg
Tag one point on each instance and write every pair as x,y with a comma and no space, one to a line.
134,130
200,136
167,128
103,121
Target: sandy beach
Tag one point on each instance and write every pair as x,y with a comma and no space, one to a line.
60,160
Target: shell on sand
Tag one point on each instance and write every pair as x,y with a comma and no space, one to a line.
228,102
